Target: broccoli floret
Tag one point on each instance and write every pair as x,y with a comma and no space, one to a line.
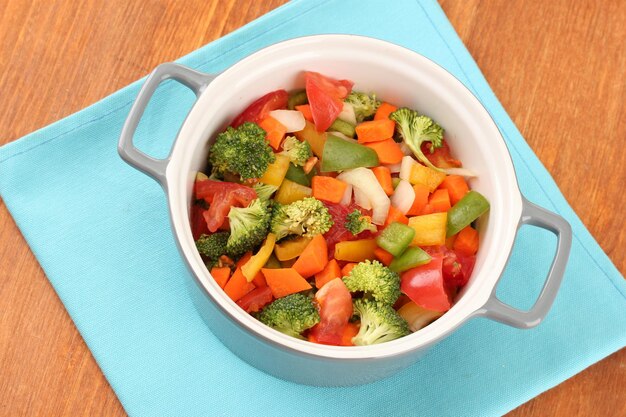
243,151
375,280
264,191
213,246
297,152
291,315
307,217
248,226
379,323
356,223
415,130
364,105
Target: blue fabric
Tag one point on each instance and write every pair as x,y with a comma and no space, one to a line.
101,233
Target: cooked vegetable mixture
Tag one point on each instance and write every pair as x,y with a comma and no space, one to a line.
335,217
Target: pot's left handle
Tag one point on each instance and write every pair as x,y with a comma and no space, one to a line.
154,167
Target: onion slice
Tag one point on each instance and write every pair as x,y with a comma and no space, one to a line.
347,114
293,120
464,172
394,168
403,196
405,167
347,196
361,199
364,182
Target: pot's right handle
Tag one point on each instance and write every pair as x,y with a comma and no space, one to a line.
504,313
155,168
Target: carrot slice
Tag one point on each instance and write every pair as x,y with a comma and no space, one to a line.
275,131
421,199
313,258
375,130
466,241
305,109
284,281
220,275
345,271
259,280
388,151
349,332
330,272
395,215
439,201
457,187
383,256
328,188
383,175
384,110
238,286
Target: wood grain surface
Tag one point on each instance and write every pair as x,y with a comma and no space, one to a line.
558,67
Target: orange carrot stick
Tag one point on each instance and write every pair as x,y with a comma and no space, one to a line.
395,215
305,109
375,130
383,256
328,188
384,110
466,241
439,201
421,199
345,271
457,187
330,272
275,131
220,275
314,257
238,286
284,281
388,151
383,175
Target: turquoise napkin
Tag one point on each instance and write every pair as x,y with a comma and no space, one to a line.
101,232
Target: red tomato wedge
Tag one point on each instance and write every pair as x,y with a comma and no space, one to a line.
441,156
256,299
261,107
198,224
222,196
325,98
335,308
425,285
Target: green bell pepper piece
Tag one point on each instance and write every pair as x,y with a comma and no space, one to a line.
297,98
340,154
410,258
395,238
342,126
462,214
296,174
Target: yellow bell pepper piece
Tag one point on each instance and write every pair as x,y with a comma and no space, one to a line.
355,250
421,174
276,171
291,249
430,229
316,139
291,191
201,176
258,260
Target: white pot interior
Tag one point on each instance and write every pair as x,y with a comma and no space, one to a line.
396,75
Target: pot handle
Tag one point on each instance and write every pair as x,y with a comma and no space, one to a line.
154,167
504,313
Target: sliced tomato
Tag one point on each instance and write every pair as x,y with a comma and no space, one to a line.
456,267
198,224
325,98
222,196
335,306
261,107
338,231
440,157
256,299
425,285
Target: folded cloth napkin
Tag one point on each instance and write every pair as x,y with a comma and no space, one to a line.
100,230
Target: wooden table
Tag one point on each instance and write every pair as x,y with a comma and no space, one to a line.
558,67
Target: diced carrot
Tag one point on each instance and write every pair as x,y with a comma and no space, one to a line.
349,332
220,275
457,187
421,199
395,215
428,209
466,241
450,241
284,281
384,110
383,175
388,151
375,130
259,280
243,260
328,188
330,272
313,258
275,131
439,201
345,271
383,256
238,286
305,109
